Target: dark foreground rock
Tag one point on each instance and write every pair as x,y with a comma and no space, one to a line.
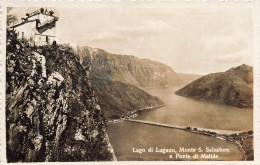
233,87
51,110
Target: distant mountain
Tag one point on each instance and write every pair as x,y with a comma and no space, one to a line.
127,69
188,78
116,80
233,87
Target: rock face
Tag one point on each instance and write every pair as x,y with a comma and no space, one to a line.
233,87
115,79
51,111
127,69
117,99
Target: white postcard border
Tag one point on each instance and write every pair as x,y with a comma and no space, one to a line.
252,4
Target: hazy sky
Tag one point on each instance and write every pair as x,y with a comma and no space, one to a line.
189,40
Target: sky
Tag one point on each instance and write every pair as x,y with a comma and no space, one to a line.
197,41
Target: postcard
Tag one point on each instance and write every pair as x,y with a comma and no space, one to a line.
130,82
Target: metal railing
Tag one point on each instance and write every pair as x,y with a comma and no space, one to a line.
46,22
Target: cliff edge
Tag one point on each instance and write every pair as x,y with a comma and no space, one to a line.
52,113
117,79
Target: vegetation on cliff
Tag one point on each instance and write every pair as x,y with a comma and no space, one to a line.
52,113
117,99
233,87
116,80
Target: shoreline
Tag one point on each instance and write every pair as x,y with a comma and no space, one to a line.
236,138
132,114
230,138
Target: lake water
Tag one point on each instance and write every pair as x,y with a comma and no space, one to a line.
126,137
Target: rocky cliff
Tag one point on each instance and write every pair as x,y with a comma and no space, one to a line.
233,87
117,99
127,69
51,110
116,78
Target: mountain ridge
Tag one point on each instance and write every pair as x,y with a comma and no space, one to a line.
127,68
117,99
232,87
117,90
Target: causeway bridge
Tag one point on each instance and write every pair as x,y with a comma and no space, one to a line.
155,124
218,131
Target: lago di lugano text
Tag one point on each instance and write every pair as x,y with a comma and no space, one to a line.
180,150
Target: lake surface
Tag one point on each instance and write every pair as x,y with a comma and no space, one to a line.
185,111
126,136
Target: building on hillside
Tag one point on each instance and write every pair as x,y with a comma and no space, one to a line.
37,27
